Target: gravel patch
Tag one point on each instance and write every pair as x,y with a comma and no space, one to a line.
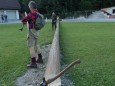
65,81
34,76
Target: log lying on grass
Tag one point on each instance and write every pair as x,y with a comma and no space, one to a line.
53,64
52,73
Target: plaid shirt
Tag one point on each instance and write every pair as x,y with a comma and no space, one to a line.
30,18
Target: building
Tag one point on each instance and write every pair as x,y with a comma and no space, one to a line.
110,12
10,8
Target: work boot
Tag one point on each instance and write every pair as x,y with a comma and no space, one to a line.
39,60
33,63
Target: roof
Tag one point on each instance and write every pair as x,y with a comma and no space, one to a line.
9,5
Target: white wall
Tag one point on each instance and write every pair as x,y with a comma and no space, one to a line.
1,12
17,14
110,10
11,14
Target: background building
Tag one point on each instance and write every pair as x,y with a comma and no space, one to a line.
10,8
109,11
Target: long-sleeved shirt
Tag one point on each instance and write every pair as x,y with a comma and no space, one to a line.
54,18
31,18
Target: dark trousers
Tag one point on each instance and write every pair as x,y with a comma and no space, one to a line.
53,25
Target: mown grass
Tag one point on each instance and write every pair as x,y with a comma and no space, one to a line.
94,45
14,53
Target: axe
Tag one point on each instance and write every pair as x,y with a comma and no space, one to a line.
23,24
21,27
46,82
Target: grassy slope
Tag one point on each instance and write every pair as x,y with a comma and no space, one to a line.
94,45
14,52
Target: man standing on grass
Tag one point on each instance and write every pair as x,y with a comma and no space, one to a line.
54,20
2,18
33,36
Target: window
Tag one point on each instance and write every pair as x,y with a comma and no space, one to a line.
113,11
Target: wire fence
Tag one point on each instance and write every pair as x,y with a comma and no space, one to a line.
76,14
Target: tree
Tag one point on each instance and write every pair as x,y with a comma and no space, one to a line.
66,6
85,5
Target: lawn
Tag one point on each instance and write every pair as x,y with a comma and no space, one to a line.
14,54
94,45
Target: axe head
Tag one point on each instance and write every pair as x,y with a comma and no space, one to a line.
21,29
44,83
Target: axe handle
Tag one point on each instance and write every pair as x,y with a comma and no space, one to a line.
27,22
22,25
63,71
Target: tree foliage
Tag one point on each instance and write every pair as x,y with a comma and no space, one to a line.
63,6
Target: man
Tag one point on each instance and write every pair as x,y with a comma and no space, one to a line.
33,36
54,20
2,18
5,16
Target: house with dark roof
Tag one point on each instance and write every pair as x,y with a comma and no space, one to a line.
10,8
110,12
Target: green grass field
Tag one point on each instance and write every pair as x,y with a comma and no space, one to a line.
94,45
14,53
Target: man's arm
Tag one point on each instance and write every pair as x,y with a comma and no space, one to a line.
25,19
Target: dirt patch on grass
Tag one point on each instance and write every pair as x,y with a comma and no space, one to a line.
65,77
33,76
